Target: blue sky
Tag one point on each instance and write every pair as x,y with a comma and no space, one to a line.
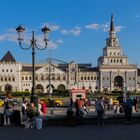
79,28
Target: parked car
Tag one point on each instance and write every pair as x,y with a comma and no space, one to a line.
55,102
58,102
1,103
115,101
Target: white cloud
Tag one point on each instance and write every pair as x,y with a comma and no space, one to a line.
136,16
12,36
59,41
119,28
52,27
93,26
75,31
2,37
66,32
103,27
51,44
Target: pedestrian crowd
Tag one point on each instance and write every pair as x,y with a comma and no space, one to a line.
124,105
28,116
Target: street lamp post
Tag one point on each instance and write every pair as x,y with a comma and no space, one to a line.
33,46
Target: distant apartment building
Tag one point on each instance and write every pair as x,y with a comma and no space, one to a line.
113,72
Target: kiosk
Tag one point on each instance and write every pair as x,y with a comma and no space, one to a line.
78,93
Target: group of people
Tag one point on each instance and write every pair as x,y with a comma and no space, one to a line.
77,109
30,112
125,106
13,114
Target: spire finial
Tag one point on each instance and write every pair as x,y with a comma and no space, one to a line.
112,23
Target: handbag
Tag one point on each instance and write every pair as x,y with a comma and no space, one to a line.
9,112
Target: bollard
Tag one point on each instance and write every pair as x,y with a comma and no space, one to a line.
118,110
133,109
51,111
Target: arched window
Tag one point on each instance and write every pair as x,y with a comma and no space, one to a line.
36,77
61,86
64,77
53,77
58,77
6,79
30,78
26,78
9,79
2,79
13,79
42,78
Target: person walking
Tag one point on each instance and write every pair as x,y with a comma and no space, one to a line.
79,110
100,109
135,102
8,107
40,108
128,109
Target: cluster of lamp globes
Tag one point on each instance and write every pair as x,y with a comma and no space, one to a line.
21,29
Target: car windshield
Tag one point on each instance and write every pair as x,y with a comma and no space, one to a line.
2,97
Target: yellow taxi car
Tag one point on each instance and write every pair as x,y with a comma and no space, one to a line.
1,103
115,102
58,102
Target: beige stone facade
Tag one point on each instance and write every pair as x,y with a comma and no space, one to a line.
113,72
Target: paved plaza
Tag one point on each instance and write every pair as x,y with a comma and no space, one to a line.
85,132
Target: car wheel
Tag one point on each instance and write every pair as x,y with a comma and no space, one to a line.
57,104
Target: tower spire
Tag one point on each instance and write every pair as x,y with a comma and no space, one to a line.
112,23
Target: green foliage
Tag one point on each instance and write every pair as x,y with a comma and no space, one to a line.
61,92
31,112
116,91
19,94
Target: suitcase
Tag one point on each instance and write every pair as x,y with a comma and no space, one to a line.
38,123
16,117
71,120
1,119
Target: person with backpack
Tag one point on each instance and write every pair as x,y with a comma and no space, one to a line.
8,108
128,109
100,109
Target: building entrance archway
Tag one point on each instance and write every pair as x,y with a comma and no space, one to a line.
61,87
39,88
8,88
118,83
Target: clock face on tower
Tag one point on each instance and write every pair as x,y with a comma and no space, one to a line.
73,70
